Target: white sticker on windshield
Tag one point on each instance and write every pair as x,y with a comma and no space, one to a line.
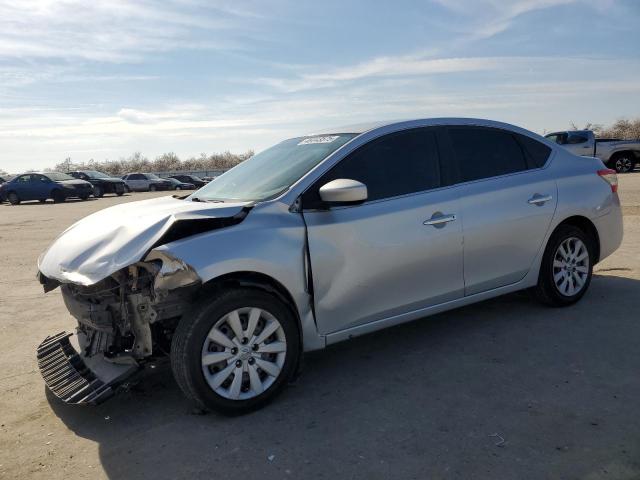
323,139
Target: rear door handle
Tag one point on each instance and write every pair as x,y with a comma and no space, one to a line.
438,219
538,199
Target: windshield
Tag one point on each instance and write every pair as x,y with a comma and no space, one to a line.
58,177
94,174
272,171
152,176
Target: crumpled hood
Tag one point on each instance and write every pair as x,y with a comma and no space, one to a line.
111,239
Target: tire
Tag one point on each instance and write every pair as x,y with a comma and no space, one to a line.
624,162
58,196
152,188
119,193
13,198
84,198
264,375
98,191
564,279
178,188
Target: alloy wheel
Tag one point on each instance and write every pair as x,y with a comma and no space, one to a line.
571,266
244,353
623,164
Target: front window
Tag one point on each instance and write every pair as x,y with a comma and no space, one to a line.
59,177
272,171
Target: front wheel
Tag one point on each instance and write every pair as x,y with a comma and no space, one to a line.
58,196
567,266
235,353
152,188
98,191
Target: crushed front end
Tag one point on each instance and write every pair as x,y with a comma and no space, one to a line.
124,321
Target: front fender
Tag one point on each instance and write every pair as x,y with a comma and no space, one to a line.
269,241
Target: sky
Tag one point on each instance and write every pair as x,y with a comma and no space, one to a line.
104,79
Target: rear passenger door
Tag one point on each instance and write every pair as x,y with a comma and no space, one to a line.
136,181
399,251
507,203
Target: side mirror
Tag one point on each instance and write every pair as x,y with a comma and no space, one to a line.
344,191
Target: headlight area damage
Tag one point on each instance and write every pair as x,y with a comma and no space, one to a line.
123,321
126,294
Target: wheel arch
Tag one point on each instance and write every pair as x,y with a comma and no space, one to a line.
587,226
250,279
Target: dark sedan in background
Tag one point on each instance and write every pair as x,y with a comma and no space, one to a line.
193,179
42,186
102,183
178,185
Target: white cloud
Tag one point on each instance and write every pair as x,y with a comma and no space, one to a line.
113,30
491,17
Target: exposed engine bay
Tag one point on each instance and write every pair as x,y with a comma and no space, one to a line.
124,320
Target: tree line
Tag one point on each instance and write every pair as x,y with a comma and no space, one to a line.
624,129
167,162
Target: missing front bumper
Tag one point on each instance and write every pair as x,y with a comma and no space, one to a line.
75,379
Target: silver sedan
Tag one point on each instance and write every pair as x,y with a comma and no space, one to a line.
316,240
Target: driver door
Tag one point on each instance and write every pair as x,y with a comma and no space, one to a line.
399,251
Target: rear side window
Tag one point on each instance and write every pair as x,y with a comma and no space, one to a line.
536,152
575,138
396,164
486,152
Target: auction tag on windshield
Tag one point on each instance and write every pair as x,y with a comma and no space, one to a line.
323,139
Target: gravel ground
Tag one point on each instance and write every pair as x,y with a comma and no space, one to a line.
502,389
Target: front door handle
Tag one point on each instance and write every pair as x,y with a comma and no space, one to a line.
438,220
538,199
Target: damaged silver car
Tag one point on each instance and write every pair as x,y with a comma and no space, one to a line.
316,240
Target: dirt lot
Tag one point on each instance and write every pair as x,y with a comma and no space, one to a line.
504,389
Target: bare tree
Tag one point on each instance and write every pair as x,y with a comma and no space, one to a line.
163,163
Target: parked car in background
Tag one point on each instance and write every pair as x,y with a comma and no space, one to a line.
316,240
42,186
178,185
193,179
621,155
146,182
102,183
2,180
208,179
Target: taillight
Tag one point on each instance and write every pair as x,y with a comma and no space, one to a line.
610,177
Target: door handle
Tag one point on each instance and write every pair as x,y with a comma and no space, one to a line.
439,219
538,199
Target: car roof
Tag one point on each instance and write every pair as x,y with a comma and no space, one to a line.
360,128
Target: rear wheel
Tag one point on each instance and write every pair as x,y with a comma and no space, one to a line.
58,196
13,198
152,188
178,187
236,352
567,266
84,197
624,162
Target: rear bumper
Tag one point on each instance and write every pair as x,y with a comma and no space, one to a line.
610,230
76,379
